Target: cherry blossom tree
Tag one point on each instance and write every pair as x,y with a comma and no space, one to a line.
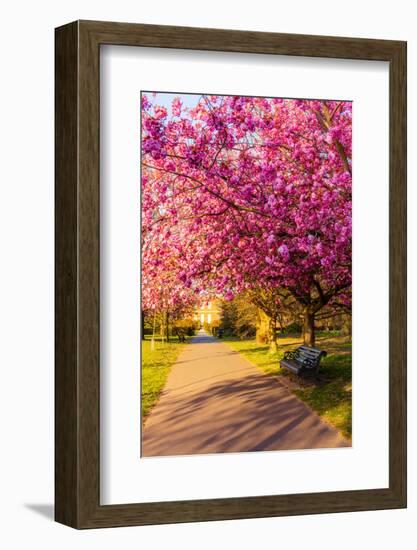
242,193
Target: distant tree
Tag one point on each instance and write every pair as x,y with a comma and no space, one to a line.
228,317
279,306
246,319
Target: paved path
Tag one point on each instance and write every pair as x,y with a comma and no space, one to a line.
216,401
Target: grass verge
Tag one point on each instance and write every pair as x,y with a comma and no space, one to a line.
331,396
156,365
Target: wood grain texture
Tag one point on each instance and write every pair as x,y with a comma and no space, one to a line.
78,285
66,343
398,274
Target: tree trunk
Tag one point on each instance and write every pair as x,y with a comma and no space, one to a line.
309,333
346,325
153,333
142,325
273,344
262,328
167,325
164,326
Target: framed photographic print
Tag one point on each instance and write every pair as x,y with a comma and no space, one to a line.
230,274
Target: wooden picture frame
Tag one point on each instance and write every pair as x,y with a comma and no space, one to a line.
77,405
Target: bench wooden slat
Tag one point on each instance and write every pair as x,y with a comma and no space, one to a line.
291,365
303,359
310,353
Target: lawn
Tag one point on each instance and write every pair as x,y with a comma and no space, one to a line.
156,365
331,397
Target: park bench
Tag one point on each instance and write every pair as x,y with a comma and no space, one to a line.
303,360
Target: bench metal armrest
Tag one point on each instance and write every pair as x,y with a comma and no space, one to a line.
289,354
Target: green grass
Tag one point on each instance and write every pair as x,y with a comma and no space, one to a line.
331,397
156,365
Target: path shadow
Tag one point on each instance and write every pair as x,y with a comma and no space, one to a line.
200,381
203,339
249,414
213,356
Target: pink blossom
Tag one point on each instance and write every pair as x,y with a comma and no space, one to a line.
176,106
243,192
229,295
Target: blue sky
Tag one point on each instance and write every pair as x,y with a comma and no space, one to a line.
165,99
